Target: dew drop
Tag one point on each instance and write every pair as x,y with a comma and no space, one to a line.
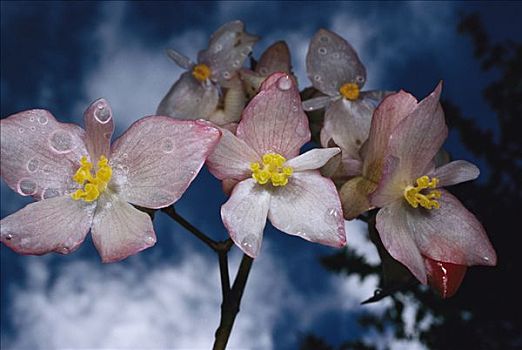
31,119
107,135
332,216
27,187
284,83
46,170
50,193
323,39
236,64
322,51
42,119
9,237
226,75
32,165
102,113
335,55
218,48
295,108
359,79
124,155
167,146
61,141
65,250
21,130
377,292
250,242
33,128
317,77
150,240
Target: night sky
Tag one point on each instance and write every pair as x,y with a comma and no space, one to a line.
62,56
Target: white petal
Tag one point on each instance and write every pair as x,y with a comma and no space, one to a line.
312,159
455,172
317,103
244,215
180,59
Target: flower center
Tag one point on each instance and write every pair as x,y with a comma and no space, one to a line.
350,91
201,72
93,186
272,170
426,200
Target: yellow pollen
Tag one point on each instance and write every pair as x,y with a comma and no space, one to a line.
201,72
272,170
95,184
414,196
350,91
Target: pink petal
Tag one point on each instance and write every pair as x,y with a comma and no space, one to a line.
273,121
244,215
351,167
455,172
99,127
228,48
232,158
181,60
396,235
120,230
418,137
157,158
309,207
313,159
58,224
189,99
392,183
275,59
392,110
354,196
332,62
40,155
450,234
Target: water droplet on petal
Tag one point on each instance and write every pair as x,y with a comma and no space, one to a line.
167,146
102,113
50,193
27,187
33,128
317,77
46,170
61,141
107,135
333,216
226,75
150,240
124,155
65,250
31,119
218,48
359,79
32,165
377,292
335,55
42,119
284,83
323,39
21,130
250,243
9,237
322,51
236,64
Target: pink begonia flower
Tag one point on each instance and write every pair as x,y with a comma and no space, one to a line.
335,70
274,181
276,58
81,182
417,217
196,93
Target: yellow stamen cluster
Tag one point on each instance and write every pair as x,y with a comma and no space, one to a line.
272,170
201,72
350,91
414,196
95,184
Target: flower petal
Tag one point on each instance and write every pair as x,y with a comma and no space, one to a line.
392,183
120,230
332,62
450,234
309,207
396,234
99,127
444,277
232,157
455,173
180,59
273,121
244,216
189,99
157,158
58,224
276,58
40,155
228,48
317,103
418,137
354,196
312,159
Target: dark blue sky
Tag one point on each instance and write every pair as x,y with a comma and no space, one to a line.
62,56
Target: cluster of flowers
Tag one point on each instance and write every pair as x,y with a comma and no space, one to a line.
379,150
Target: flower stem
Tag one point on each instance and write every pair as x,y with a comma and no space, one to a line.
231,303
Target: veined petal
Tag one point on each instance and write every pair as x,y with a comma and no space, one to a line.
455,172
58,224
232,157
396,234
273,121
234,101
316,103
332,62
228,48
392,183
392,110
354,196
120,230
244,215
309,207
180,59
312,159
157,158
40,155
99,127
276,58
418,137
189,99
450,234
